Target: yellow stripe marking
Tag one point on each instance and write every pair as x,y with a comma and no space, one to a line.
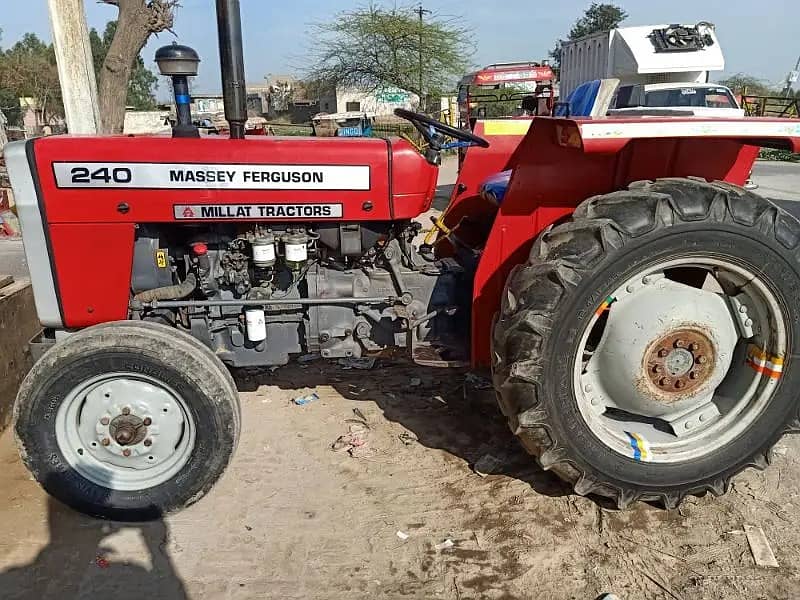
506,127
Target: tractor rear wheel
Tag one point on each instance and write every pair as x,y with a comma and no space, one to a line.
645,351
127,421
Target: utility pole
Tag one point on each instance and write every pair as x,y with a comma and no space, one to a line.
421,12
792,78
75,65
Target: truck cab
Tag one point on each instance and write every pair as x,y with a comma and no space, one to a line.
701,99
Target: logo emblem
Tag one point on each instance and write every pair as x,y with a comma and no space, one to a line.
188,213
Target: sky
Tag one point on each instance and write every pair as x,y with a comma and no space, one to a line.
760,38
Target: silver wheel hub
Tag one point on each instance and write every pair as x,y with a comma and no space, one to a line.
125,431
641,324
664,369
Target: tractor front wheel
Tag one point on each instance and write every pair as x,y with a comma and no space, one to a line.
128,420
645,351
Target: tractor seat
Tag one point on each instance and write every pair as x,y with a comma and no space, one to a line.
495,187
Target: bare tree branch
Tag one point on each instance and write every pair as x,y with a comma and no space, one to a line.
137,21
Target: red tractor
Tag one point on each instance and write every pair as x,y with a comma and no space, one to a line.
637,308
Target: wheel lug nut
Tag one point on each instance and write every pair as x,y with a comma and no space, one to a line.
105,421
694,346
658,369
679,343
148,443
147,422
663,352
680,384
701,360
126,453
664,381
126,411
105,441
692,375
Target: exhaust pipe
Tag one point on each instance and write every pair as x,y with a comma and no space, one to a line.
229,25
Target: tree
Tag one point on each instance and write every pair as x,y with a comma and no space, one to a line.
9,104
142,83
373,47
598,17
138,20
741,83
28,70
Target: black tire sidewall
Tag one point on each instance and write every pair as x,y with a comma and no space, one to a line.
214,439
749,248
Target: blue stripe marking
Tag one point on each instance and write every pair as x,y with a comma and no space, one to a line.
637,454
183,99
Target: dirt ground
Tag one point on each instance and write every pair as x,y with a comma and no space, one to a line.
294,519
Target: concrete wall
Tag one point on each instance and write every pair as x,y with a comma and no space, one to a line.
18,324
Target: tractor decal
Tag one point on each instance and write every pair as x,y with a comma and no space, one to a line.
761,362
641,449
215,176
258,211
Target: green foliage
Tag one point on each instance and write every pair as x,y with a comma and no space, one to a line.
9,104
740,83
28,70
143,82
372,47
782,155
598,17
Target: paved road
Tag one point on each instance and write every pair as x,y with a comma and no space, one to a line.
777,180
12,258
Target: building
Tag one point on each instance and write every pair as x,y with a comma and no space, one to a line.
381,102
207,104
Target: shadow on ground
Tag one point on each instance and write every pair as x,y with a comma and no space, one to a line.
442,198
435,410
79,562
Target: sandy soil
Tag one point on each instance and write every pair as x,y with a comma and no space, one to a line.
294,519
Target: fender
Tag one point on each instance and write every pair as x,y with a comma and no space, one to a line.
562,162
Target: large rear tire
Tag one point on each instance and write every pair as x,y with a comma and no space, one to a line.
128,421
624,355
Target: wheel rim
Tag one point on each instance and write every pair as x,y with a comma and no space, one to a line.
125,431
680,360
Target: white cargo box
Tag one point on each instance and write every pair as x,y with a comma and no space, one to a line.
630,55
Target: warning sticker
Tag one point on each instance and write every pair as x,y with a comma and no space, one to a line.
161,259
257,211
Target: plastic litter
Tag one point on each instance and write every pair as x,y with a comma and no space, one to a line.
101,562
403,535
488,464
356,437
408,438
476,382
362,364
307,399
448,543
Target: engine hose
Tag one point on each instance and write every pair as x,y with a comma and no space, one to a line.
170,292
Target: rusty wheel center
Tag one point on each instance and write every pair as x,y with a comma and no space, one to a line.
128,430
680,361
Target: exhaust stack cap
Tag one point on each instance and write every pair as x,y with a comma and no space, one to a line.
176,59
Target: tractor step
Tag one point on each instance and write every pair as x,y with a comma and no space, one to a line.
440,356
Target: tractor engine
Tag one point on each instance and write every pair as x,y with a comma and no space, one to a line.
258,293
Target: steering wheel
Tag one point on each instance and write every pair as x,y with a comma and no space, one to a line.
429,127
